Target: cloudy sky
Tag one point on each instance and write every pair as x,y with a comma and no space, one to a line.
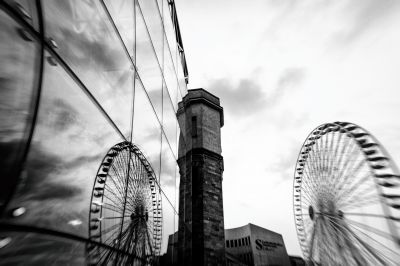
281,68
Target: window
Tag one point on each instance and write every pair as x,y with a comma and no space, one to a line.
236,243
194,126
227,243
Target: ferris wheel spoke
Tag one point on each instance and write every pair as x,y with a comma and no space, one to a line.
114,176
367,193
371,250
372,215
341,177
119,171
371,229
332,156
352,174
111,228
343,160
307,192
361,201
355,251
112,218
118,195
312,187
115,198
112,200
122,239
111,207
346,194
368,247
114,243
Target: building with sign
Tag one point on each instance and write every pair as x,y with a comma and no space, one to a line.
254,245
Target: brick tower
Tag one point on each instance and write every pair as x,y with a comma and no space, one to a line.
201,216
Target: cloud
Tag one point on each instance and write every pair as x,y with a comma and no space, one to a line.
289,79
61,115
244,99
41,182
365,15
248,97
283,167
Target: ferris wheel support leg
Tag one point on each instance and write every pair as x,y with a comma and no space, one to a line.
312,242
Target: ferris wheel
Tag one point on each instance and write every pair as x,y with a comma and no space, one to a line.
346,198
125,210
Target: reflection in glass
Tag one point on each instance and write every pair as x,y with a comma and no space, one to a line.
169,122
17,100
123,15
170,34
170,77
41,249
70,139
71,134
146,129
88,43
152,18
148,67
125,209
169,180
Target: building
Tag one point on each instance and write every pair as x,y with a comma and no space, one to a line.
247,245
201,215
77,78
254,245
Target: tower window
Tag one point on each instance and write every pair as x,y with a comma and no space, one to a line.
194,126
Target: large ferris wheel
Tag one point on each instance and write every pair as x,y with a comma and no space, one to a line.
346,198
125,210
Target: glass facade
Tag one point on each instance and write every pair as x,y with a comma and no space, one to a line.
78,77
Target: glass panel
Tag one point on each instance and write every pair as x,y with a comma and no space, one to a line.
169,180
148,67
168,223
40,249
146,129
170,33
70,140
26,10
170,77
17,99
181,80
169,122
89,44
122,12
152,17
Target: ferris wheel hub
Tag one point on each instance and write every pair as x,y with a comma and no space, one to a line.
311,212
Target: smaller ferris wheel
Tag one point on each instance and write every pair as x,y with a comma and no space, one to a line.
125,215
346,198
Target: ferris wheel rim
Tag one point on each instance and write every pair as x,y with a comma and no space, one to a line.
342,127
